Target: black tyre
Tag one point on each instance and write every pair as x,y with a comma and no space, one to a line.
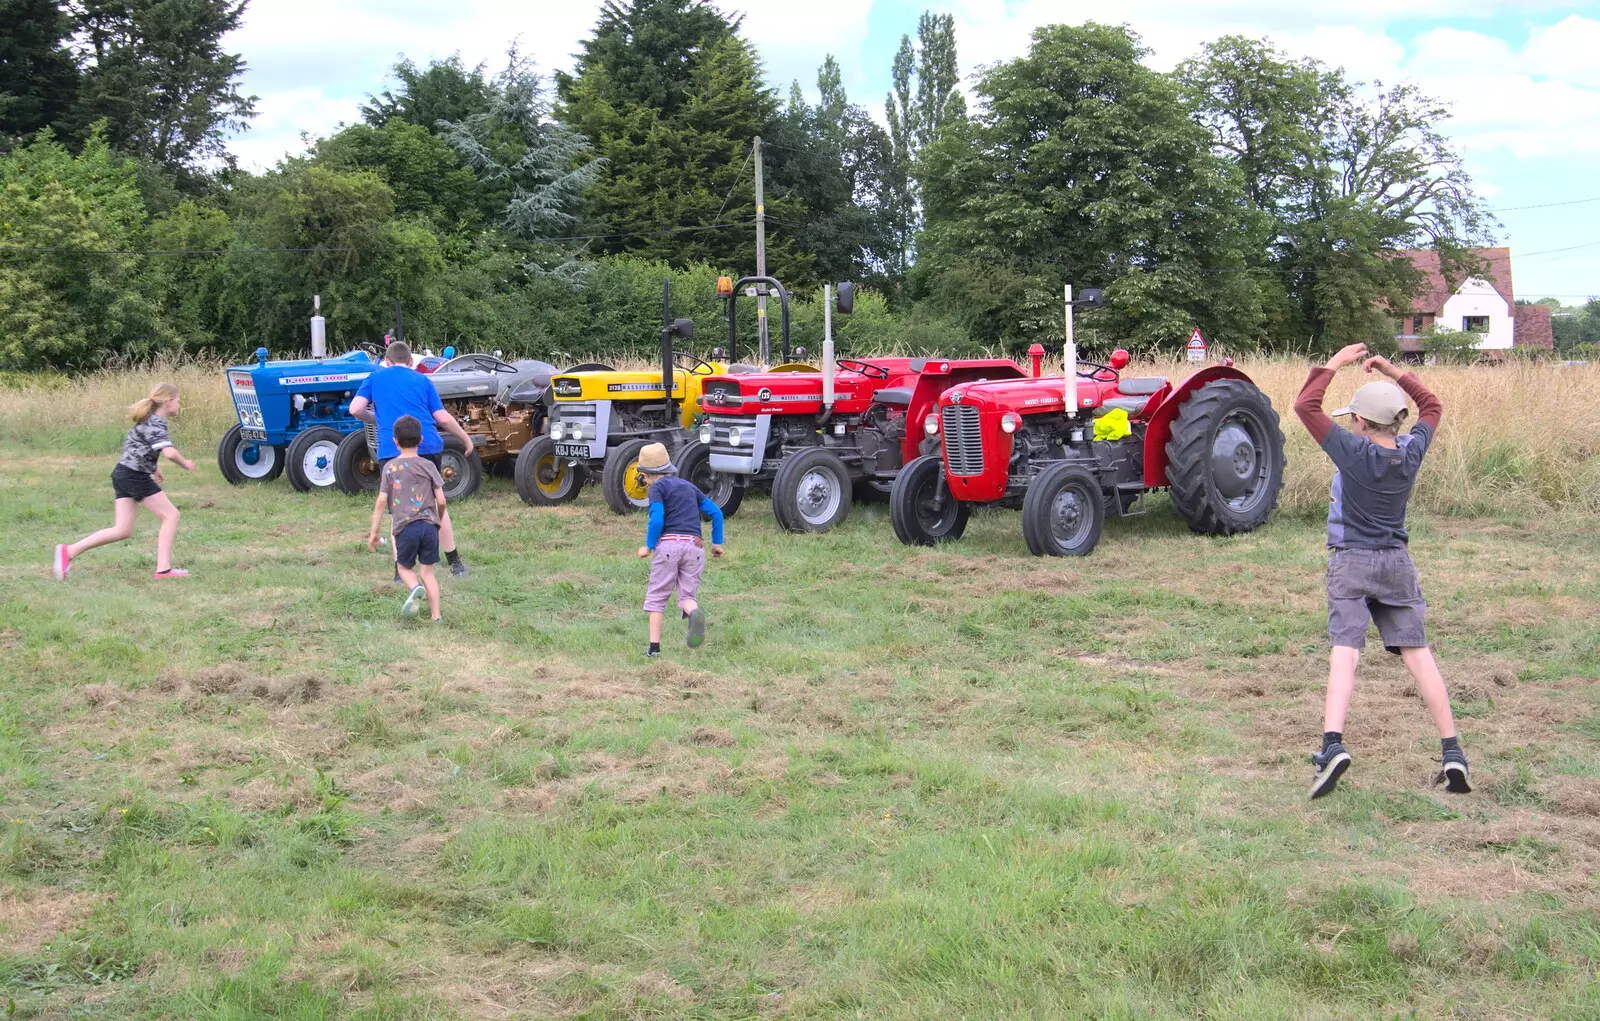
355,469
624,489
309,461
462,469
694,464
543,479
922,508
1225,460
241,460
812,491
1064,512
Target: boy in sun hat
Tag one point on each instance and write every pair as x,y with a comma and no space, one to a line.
673,537
1370,573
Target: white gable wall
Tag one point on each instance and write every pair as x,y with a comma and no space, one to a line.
1479,298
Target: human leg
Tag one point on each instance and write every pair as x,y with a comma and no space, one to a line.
430,584
161,506
1342,662
124,510
690,567
1430,685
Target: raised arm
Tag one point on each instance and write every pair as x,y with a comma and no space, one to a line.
1308,406
1429,407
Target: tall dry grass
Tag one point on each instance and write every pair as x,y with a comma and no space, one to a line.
1516,438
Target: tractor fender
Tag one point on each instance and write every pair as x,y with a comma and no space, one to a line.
1159,431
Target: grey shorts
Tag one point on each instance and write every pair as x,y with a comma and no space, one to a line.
1378,586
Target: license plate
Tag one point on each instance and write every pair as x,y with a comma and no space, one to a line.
252,434
572,450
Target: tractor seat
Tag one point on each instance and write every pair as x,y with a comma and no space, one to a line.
1134,386
741,369
900,396
1132,405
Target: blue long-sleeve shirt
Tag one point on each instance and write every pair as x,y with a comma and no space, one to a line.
675,509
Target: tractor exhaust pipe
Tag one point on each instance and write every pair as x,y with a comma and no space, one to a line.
1069,365
319,329
827,349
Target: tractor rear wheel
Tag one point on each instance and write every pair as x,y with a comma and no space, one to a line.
241,460
462,469
543,479
625,491
694,464
921,506
355,469
1063,512
309,459
811,492
1225,458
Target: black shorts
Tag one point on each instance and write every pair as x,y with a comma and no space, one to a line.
128,484
417,543
432,459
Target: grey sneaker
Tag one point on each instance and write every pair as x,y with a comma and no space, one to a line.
458,569
650,653
1455,775
697,628
1331,763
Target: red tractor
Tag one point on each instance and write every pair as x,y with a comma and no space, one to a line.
1212,441
819,440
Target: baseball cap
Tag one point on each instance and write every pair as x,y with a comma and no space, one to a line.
1379,403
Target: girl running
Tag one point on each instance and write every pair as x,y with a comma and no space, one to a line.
135,482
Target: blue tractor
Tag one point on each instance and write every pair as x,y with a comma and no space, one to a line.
292,415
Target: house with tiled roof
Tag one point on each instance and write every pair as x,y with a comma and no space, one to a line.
1484,304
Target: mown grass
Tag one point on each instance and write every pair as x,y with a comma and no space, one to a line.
954,783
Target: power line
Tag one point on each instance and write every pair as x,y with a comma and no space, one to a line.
747,154
1542,205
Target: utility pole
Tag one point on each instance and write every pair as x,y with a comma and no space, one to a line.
761,261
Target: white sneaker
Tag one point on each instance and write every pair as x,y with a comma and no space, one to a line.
413,602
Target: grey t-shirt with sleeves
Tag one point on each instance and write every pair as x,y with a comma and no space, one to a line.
142,447
408,483
1372,487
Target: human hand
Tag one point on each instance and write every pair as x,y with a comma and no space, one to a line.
158,476
716,549
372,541
188,464
644,551
1378,363
1348,355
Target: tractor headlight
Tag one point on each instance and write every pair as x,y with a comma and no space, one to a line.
574,431
555,431
705,434
735,436
930,425
1010,421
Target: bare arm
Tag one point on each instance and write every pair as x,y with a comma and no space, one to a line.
1429,407
377,520
438,499
171,454
361,408
446,421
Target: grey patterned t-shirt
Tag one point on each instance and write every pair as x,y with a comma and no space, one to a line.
143,445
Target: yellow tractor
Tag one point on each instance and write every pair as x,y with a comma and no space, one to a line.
600,420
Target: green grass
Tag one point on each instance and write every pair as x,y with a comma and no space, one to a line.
895,783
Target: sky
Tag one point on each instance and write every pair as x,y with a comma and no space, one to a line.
1522,77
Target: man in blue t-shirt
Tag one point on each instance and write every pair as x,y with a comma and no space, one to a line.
391,393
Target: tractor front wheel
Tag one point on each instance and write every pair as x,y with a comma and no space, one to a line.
1063,512
624,487
241,460
462,469
694,464
1225,458
310,458
355,469
922,508
812,491
543,479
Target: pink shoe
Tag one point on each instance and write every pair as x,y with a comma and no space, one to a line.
175,572
63,564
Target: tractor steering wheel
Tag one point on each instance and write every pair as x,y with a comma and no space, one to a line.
693,364
372,349
1100,373
867,369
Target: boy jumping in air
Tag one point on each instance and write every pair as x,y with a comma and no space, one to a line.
673,536
413,490
1370,573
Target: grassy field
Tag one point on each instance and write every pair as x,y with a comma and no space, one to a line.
954,783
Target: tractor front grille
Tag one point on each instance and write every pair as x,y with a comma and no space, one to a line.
580,413
249,409
370,430
721,424
963,439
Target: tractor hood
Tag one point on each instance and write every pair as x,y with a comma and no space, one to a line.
471,383
360,361
1025,396
799,393
622,386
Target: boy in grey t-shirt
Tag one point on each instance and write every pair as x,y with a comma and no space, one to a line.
1371,578
413,491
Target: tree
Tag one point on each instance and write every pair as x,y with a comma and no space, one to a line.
671,96
1083,167
446,91
425,172
158,75
1335,182
545,163
916,114
38,73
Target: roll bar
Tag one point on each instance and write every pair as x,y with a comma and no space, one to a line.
733,320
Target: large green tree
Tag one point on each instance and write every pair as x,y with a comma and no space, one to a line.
1336,177
922,101
38,72
671,96
1083,167
157,72
446,90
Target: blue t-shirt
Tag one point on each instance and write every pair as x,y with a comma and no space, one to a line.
1372,486
398,391
675,508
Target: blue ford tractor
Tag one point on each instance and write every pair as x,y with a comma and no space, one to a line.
292,415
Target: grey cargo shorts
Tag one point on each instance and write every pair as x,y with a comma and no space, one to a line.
1376,585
